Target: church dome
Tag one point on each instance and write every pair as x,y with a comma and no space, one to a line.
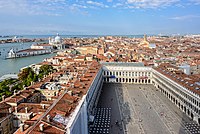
57,39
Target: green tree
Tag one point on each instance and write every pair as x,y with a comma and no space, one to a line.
26,76
25,73
35,78
45,70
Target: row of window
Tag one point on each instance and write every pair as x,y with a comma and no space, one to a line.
130,74
197,103
124,80
177,95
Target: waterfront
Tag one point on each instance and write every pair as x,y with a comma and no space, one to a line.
14,65
8,66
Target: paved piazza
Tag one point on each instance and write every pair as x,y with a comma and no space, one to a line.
142,109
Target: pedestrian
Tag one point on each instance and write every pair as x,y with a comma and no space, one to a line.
116,122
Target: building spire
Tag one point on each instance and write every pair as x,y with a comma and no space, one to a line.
145,37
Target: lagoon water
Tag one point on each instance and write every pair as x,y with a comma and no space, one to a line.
14,65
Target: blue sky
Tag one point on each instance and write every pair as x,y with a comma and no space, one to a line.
104,17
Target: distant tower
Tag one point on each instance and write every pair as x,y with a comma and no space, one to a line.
145,37
144,43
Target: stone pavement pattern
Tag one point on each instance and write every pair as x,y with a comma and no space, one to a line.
141,109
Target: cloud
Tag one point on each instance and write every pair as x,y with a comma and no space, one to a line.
185,17
60,7
118,5
150,3
36,7
77,8
97,4
196,2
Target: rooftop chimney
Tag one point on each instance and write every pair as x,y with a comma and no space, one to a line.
57,93
22,127
43,106
15,92
10,110
31,83
15,109
3,97
26,109
48,118
72,85
70,93
41,127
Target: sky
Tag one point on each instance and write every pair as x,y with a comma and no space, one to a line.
99,17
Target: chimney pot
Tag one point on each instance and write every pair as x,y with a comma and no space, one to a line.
15,92
41,127
43,106
22,127
3,97
72,85
10,110
15,109
48,118
70,93
26,109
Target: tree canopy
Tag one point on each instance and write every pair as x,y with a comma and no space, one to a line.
26,76
8,86
46,69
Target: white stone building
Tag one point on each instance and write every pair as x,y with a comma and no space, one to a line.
57,42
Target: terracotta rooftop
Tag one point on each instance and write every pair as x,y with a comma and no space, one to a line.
68,102
48,129
190,82
31,107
